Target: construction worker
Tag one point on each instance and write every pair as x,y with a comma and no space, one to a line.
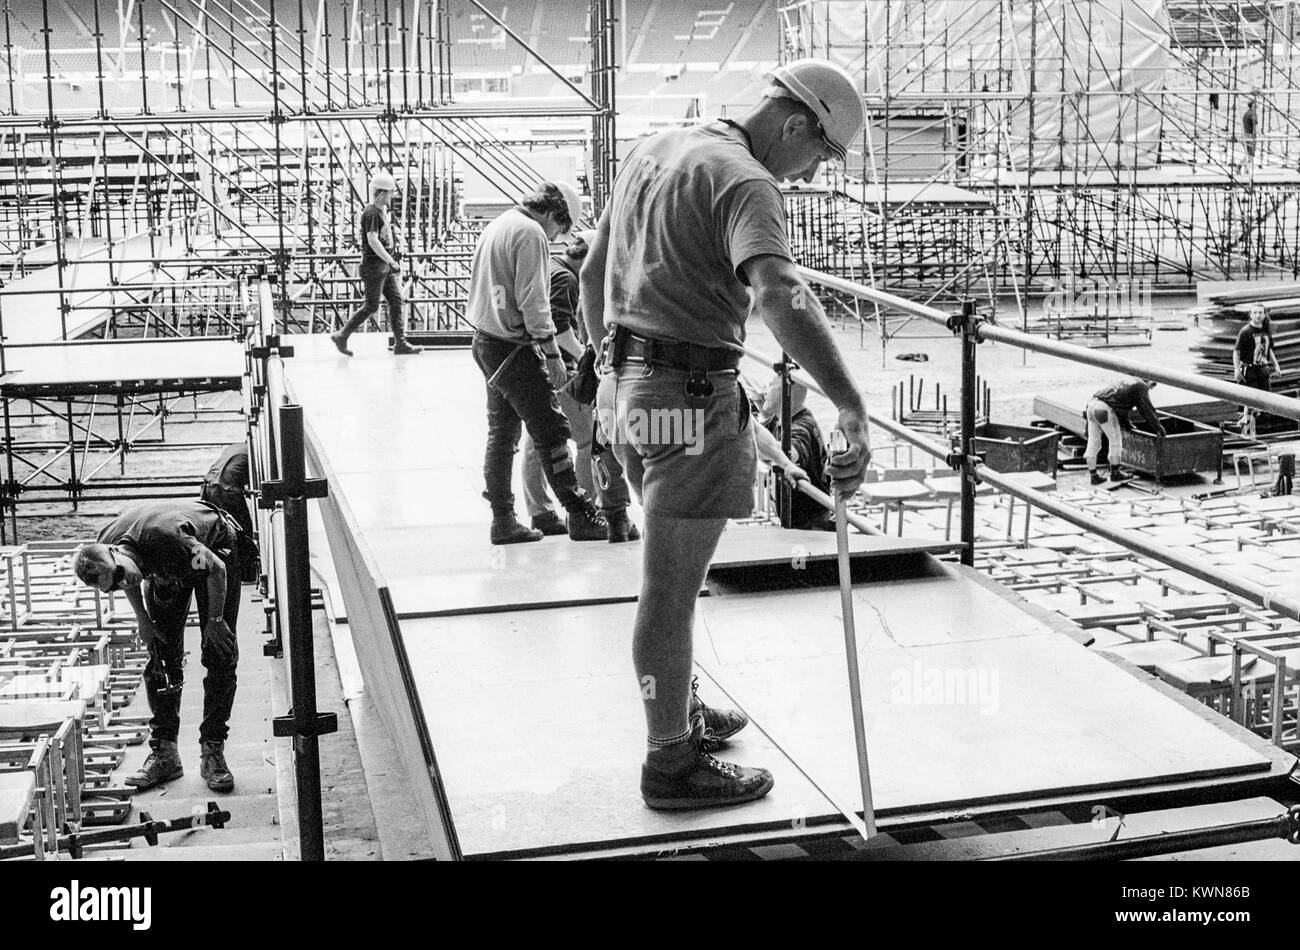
157,554
695,225
1248,127
611,490
225,486
1107,415
378,271
807,449
1254,359
515,347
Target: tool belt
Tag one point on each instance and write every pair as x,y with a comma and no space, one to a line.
624,346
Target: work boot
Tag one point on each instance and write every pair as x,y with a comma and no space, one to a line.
402,348
340,341
213,766
587,524
1118,474
1096,478
549,523
685,776
506,529
621,529
719,724
162,765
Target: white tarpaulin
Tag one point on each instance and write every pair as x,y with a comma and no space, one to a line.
1091,62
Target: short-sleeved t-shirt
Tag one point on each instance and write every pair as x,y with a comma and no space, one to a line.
688,209
1255,346
164,537
230,471
373,218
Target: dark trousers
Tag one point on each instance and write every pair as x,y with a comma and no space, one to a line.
519,395
376,283
168,602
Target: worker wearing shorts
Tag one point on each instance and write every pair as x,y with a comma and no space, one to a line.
695,225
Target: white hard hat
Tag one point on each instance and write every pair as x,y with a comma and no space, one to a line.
572,199
830,94
383,182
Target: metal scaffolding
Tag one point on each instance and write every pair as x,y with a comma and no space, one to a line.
1063,149
157,155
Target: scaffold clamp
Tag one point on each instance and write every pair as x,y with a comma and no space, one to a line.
288,727
275,489
966,320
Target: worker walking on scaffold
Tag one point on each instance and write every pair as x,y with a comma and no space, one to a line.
378,271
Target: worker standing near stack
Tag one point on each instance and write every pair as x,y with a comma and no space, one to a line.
516,350
378,270
695,223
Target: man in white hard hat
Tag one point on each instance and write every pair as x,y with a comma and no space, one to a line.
694,225
516,349
378,270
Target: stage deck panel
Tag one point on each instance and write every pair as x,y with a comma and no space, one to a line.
434,571
124,366
535,714
538,724
409,458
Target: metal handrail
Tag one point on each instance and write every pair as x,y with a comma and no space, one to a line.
1233,583
1231,392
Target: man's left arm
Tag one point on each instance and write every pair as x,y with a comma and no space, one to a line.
592,282
1148,410
769,450
216,632
564,311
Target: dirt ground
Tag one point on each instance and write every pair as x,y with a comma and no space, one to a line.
193,442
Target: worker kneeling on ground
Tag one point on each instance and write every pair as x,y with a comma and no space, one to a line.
696,217
157,554
1107,415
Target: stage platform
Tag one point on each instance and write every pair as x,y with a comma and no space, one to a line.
152,365
504,674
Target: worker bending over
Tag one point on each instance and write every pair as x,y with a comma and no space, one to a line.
1107,415
157,554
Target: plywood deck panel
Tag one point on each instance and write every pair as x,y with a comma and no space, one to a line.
452,569
534,781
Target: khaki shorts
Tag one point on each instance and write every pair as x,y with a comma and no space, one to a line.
684,459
